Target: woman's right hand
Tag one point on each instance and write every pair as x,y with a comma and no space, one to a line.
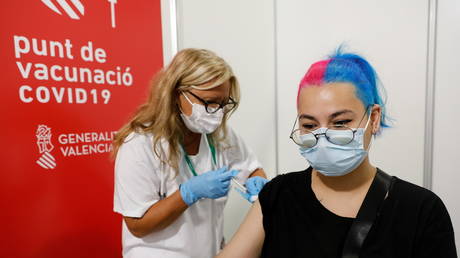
213,184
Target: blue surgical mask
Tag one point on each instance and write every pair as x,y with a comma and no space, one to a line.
336,160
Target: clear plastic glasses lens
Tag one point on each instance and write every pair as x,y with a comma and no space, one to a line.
308,139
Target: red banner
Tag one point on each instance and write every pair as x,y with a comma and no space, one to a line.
73,72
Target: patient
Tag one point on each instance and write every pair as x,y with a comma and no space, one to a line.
342,205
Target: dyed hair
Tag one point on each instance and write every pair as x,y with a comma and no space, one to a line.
349,68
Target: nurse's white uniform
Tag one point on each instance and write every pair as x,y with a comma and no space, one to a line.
141,180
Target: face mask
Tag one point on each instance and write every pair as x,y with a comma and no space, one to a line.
200,121
336,160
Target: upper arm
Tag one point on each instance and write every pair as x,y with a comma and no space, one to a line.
237,155
248,240
136,186
258,172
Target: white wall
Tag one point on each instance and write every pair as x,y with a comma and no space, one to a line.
241,32
446,151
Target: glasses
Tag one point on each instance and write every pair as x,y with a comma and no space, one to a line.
339,134
212,107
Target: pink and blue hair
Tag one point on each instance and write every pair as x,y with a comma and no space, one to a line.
350,68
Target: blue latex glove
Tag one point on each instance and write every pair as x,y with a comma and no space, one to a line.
247,196
253,185
212,185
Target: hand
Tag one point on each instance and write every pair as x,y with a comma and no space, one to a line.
254,185
212,185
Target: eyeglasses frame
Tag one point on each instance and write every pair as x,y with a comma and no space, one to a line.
325,133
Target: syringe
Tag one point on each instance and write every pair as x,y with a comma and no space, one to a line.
253,198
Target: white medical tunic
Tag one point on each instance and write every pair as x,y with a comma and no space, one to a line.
141,180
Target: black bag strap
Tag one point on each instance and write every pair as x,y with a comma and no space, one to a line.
367,214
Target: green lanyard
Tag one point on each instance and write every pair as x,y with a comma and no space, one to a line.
213,152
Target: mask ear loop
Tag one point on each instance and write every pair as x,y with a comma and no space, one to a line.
368,119
189,101
372,134
370,143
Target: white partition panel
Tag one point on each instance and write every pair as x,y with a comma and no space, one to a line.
392,35
242,33
270,44
446,151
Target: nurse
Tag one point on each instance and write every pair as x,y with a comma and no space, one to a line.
175,160
341,205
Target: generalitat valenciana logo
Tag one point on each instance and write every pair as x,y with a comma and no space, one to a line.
75,9
45,146
67,7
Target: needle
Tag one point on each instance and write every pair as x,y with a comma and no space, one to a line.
244,189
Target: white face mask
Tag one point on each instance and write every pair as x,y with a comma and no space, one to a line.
336,160
200,121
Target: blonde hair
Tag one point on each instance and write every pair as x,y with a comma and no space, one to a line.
160,115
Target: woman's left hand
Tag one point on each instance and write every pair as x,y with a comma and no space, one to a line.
254,185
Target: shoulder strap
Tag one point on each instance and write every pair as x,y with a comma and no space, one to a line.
367,214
